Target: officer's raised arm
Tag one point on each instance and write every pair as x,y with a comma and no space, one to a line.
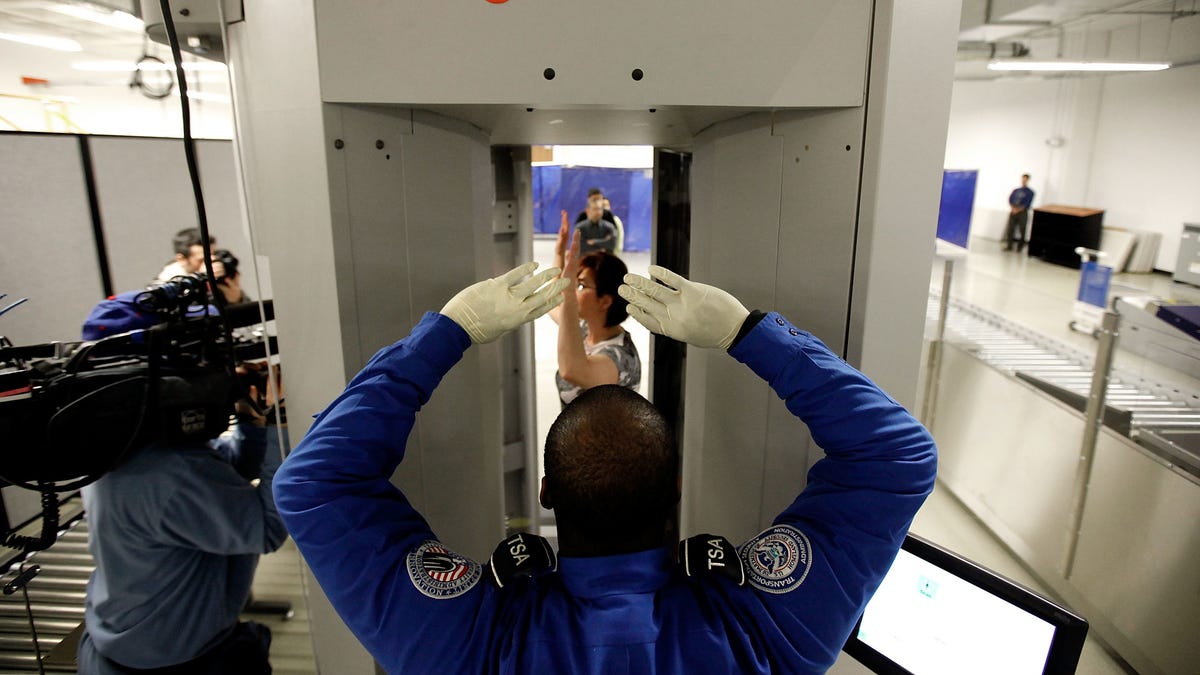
824,556
400,591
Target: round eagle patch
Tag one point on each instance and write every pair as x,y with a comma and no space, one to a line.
777,560
440,573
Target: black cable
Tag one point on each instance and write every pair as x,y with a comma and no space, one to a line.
93,197
49,524
189,148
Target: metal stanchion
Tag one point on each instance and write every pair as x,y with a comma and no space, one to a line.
21,583
933,367
1094,418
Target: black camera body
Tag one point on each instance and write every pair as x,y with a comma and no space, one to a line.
158,366
67,420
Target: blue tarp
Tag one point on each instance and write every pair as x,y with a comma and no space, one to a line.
565,187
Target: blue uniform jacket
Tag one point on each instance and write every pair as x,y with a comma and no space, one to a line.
419,607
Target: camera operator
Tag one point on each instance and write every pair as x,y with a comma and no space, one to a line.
176,531
229,279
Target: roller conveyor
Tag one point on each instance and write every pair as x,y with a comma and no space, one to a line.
1159,416
56,596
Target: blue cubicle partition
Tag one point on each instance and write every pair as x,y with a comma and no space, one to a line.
565,187
958,197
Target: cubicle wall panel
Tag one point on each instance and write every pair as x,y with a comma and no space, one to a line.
1139,552
145,197
224,201
47,252
1010,449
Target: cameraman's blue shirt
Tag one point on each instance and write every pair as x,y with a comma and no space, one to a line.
176,533
419,607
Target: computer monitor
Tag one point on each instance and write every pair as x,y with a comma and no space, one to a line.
937,613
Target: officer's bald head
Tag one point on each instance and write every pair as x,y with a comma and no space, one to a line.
612,466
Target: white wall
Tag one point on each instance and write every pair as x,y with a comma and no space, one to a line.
1000,129
1125,143
111,108
616,156
1147,155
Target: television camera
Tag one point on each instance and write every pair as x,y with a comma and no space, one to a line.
157,365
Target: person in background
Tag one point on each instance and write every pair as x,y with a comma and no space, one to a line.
596,234
595,193
229,279
1018,216
189,254
176,530
616,221
593,348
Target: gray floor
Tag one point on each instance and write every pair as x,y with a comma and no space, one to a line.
279,578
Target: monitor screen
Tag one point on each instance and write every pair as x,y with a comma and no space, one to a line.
939,614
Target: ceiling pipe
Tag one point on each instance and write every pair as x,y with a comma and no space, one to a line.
984,50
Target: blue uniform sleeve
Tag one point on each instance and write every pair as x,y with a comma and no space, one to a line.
825,555
406,597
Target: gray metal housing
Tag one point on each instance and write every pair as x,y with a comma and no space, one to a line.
817,129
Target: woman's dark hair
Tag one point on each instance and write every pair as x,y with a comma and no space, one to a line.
610,274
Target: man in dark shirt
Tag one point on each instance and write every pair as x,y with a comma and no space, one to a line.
1019,202
595,233
596,193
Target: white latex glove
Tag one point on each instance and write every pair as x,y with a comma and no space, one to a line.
697,314
493,307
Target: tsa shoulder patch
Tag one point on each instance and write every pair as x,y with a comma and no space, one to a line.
440,573
778,560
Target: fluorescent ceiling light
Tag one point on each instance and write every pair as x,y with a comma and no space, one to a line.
1076,66
61,44
111,18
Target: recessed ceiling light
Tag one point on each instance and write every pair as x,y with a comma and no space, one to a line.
61,44
557,122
